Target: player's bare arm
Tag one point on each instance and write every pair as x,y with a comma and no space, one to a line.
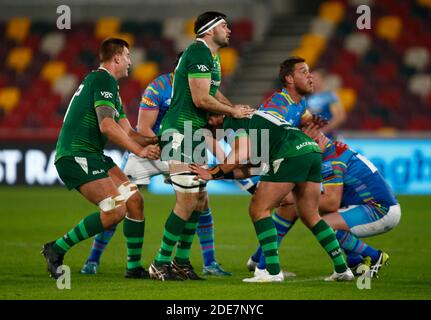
222,98
115,133
330,200
200,89
229,169
146,121
142,139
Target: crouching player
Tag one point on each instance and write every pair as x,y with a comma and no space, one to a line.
295,164
356,201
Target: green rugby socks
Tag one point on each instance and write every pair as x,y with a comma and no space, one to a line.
86,228
327,239
185,241
173,228
267,236
133,231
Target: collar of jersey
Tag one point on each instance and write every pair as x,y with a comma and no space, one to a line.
204,42
102,68
287,96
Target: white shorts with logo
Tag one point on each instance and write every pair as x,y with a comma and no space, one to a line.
363,223
141,170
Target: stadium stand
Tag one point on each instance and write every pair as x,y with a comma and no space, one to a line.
381,75
44,66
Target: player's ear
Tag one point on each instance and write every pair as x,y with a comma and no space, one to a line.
117,58
289,79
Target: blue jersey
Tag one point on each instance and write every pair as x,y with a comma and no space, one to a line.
282,105
362,183
320,104
157,96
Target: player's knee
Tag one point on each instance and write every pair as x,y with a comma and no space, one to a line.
258,212
135,207
129,190
310,220
135,201
115,207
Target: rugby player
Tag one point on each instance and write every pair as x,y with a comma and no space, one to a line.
95,115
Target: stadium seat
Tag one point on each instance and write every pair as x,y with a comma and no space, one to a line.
389,28
53,43
332,82
372,123
357,43
424,3
332,11
420,84
390,98
229,60
151,29
9,98
146,72
106,27
138,55
32,42
128,37
13,120
322,27
130,26
417,57
18,29
53,70
66,85
311,47
313,41
189,26
182,42
419,123
385,71
242,31
309,54
79,70
173,27
347,98
19,58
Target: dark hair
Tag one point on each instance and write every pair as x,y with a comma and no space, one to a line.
287,67
110,47
206,17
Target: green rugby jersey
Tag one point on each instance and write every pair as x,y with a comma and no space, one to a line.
80,133
197,61
285,141
240,126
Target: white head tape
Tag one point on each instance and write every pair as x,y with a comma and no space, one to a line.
210,25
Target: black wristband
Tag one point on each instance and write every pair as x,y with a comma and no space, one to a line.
216,172
229,175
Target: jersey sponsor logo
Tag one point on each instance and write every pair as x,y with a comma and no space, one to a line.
94,172
106,94
202,67
304,144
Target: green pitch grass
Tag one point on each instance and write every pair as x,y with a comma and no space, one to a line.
30,217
